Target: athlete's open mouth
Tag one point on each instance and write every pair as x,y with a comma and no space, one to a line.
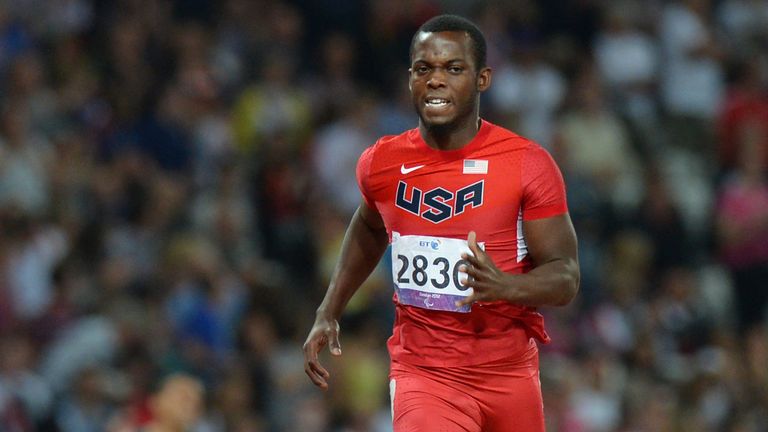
434,102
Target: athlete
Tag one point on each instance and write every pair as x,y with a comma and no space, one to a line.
478,225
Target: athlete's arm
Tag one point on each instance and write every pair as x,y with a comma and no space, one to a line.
553,281
364,243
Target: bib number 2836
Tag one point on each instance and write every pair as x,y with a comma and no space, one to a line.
426,272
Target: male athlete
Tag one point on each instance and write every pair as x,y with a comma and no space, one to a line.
478,224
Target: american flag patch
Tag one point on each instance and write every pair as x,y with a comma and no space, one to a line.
475,166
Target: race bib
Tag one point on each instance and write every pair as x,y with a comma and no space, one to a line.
426,273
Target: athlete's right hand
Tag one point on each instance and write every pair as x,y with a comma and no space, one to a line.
325,331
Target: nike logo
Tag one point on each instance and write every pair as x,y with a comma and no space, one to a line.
404,170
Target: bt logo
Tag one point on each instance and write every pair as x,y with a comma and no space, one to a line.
430,244
438,205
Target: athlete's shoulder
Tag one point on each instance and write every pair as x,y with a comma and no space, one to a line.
386,149
389,144
503,135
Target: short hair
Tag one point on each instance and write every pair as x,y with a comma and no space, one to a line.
448,22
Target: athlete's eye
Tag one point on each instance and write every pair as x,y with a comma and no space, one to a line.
455,69
421,70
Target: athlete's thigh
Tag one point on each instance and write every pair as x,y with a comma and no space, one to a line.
424,404
519,408
509,393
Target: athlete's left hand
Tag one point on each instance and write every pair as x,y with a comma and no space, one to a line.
486,280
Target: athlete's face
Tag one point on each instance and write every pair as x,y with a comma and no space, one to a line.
444,80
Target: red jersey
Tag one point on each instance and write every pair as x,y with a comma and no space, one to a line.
431,197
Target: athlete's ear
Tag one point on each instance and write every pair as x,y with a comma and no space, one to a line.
484,79
410,87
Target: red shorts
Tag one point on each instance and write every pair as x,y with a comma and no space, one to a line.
502,396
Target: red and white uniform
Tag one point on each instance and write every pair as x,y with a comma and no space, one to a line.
475,369
429,196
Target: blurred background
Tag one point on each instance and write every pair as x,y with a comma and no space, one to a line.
176,178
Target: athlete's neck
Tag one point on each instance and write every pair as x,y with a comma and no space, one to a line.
450,136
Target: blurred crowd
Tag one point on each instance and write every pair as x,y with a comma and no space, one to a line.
176,178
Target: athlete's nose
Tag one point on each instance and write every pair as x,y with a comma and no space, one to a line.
436,79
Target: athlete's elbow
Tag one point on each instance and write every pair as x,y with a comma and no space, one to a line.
570,287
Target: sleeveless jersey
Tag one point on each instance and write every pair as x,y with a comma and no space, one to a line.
429,200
